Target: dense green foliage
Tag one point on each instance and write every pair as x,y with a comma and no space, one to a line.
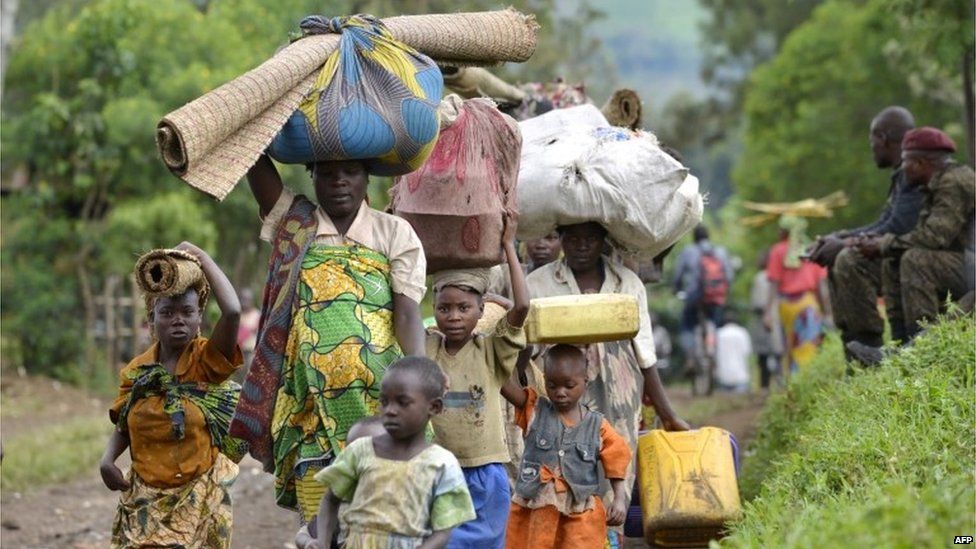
85,85
741,34
880,457
84,88
807,113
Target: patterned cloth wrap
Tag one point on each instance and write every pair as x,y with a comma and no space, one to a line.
374,100
340,343
216,401
802,329
252,419
196,515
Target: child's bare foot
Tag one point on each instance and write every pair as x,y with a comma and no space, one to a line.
303,540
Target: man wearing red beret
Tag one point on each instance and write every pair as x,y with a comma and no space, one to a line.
925,264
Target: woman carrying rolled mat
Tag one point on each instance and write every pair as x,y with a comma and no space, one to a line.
619,373
341,303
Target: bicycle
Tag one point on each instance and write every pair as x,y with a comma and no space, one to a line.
703,355
700,349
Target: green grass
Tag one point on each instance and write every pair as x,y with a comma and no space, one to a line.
883,457
56,453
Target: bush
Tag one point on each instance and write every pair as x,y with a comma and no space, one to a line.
884,456
41,306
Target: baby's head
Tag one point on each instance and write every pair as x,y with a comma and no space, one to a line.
565,375
412,391
459,303
367,427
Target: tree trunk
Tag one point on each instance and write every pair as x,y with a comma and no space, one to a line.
88,301
8,16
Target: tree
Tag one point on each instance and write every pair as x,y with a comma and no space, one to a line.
84,89
740,35
86,84
938,48
737,36
808,110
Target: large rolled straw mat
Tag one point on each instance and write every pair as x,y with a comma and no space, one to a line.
165,273
623,109
212,141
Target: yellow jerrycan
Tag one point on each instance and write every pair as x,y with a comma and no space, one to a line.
578,319
688,486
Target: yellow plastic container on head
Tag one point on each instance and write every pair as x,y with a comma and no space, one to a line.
589,318
688,486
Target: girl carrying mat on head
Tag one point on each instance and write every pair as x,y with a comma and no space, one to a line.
173,410
341,303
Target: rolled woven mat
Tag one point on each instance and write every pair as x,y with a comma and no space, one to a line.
472,82
623,109
165,273
212,141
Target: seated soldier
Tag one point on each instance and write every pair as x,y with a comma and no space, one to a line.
924,265
855,280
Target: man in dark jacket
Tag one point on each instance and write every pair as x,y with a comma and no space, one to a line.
855,279
924,265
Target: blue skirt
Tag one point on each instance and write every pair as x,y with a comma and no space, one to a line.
491,496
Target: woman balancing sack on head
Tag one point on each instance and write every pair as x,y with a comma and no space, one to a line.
618,373
341,303
173,411
345,281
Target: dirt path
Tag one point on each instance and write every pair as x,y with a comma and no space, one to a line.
734,413
79,514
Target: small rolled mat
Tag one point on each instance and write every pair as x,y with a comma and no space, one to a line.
623,109
212,141
165,273
472,82
476,279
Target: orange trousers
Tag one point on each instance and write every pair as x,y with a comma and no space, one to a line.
547,527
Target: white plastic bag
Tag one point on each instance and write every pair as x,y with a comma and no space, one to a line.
574,171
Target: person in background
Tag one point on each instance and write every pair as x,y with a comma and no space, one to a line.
855,279
702,277
170,405
924,265
767,343
542,251
619,373
247,332
799,296
732,356
662,343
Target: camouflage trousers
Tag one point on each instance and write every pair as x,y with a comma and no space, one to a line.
921,280
855,284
